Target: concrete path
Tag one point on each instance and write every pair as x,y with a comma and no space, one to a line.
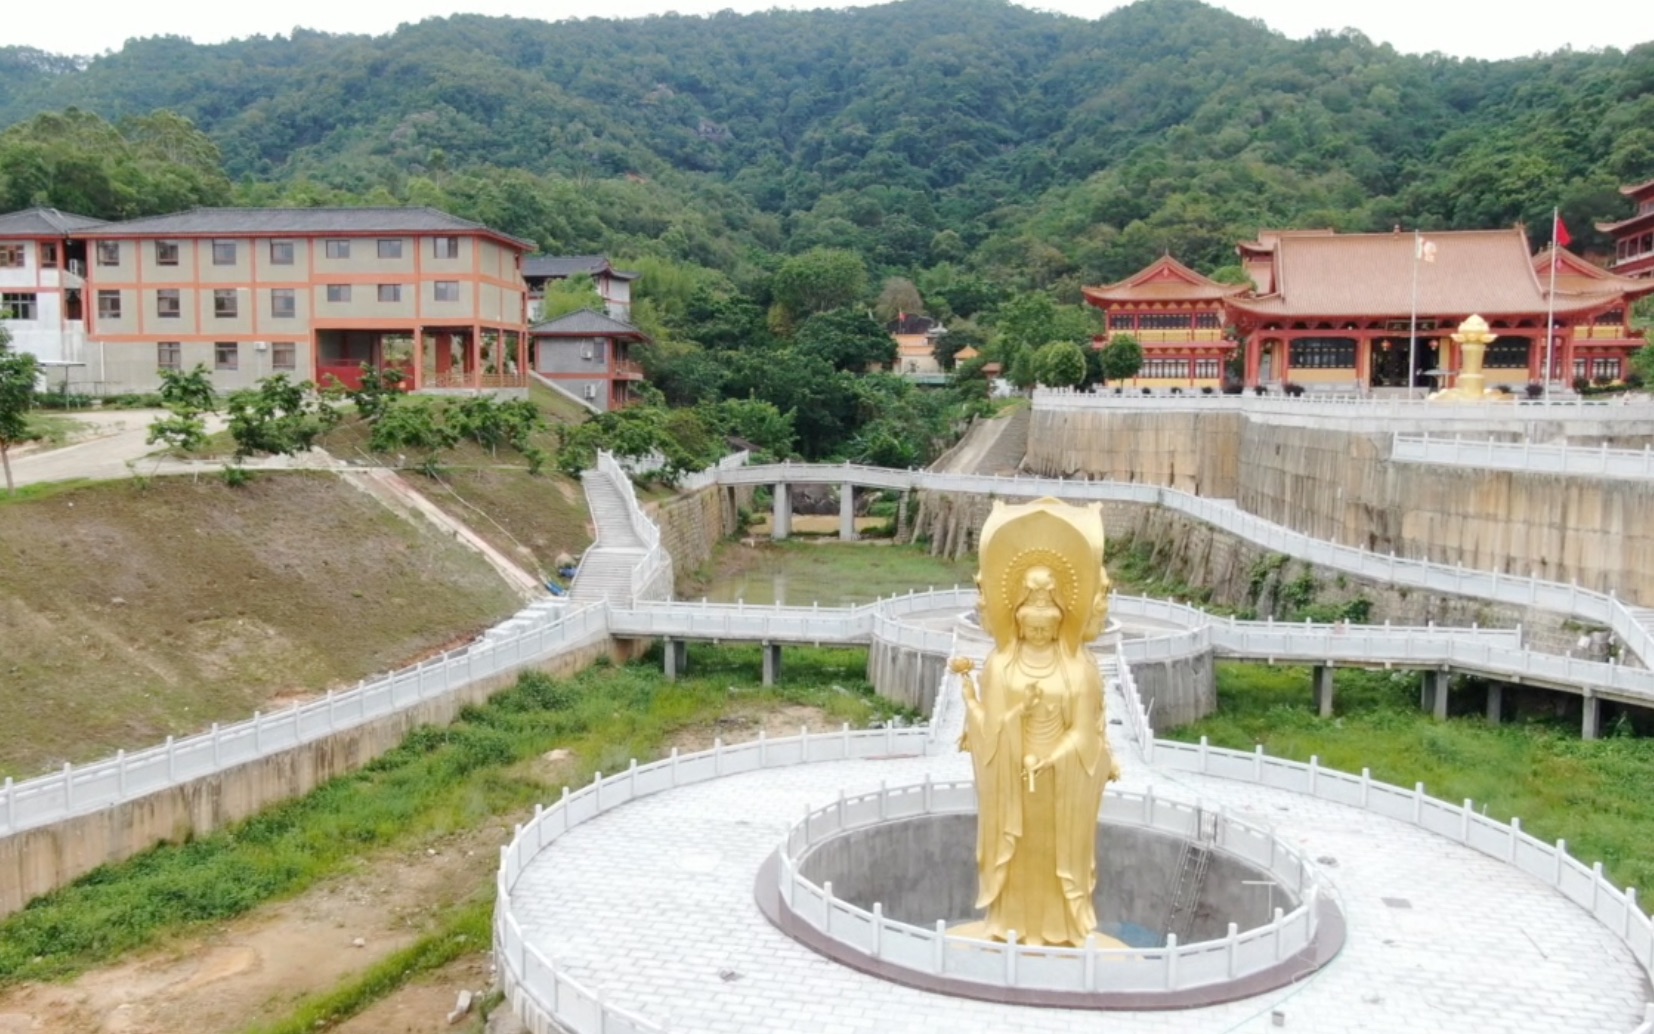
113,438
651,907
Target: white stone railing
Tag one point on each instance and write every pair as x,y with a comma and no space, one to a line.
1347,406
77,790
1550,863
932,951
708,477
652,575
1517,590
546,999
1525,456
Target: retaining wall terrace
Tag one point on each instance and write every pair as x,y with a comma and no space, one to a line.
1335,479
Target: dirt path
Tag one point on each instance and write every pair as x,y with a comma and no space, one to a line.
255,969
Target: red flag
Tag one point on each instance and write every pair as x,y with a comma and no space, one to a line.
1562,237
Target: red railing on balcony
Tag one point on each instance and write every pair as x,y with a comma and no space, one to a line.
625,369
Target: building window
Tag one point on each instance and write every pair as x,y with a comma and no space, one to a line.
281,253
1163,321
390,249
445,247
48,254
390,292
284,356
226,355
166,254
338,292
11,256
447,290
169,355
1605,368
166,303
1172,369
1507,353
283,303
109,305
223,253
1206,321
1323,353
109,253
338,249
18,305
223,303
1206,369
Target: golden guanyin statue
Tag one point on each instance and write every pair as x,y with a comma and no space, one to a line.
1035,723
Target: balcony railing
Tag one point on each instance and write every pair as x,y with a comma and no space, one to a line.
1602,332
1168,337
625,369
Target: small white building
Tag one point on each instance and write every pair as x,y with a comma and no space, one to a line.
613,285
43,284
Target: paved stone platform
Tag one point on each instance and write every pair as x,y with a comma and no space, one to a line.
652,905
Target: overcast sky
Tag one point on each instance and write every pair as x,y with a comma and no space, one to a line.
1479,28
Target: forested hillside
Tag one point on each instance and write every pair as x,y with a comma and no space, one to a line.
1043,147
772,174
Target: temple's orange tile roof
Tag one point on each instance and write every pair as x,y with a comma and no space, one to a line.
1163,280
1575,275
1371,274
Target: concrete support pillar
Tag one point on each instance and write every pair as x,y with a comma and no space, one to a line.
1592,725
1495,703
901,516
1433,694
781,525
847,512
676,653
1321,680
772,663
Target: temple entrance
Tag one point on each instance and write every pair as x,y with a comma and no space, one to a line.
1387,364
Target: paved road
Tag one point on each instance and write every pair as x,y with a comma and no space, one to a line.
113,438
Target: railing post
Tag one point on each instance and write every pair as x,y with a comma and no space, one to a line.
1171,961
120,775
1090,962
1418,802
1561,853
172,762
1011,959
878,928
939,948
11,805
68,788
1464,820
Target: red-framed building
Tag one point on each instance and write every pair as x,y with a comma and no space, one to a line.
1634,237
1176,315
588,355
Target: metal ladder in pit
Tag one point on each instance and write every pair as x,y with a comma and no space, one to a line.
1190,876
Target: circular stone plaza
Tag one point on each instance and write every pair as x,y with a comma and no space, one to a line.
634,904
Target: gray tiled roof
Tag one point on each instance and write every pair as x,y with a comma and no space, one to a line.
44,222
559,267
271,221
585,323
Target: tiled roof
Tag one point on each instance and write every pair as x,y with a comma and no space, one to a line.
585,323
1371,274
561,267
1163,280
298,221
1576,276
1638,189
44,222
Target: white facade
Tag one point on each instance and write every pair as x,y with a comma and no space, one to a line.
45,334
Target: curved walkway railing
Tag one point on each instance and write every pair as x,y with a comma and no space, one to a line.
1593,608
1526,456
1622,410
932,951
1615,909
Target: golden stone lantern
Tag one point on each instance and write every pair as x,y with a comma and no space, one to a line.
1473,338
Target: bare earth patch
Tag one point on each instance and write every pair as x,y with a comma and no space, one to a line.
773,722
256,969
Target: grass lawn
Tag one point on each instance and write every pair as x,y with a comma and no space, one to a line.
1592,794
486,768
831,573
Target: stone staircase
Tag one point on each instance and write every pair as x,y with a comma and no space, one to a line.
606,571
1005,455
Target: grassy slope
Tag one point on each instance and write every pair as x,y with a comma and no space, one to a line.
127,613
1593,794
484,767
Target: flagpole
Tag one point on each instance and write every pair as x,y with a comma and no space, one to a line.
1550,307
1413,323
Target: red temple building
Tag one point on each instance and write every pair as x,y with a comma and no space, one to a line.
1177,316
1335,312
1634,237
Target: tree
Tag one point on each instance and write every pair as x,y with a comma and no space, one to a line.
819,280
18,373
278,416
897,298
570,295
1121,358
849,339
1060,364
961,334
187,397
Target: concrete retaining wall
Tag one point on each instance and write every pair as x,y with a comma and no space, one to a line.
904,675
692,526
1339,484
1178,691
41,860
